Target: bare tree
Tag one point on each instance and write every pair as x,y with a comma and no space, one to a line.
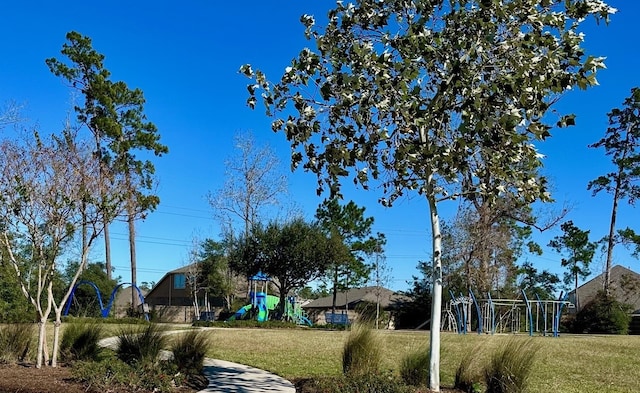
253,182
9,114
49,191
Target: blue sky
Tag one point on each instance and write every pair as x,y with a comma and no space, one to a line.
185,57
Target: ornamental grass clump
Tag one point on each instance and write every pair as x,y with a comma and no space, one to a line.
80,342
414,368
15,342
189,350
468,376
362,352
141,346
510,366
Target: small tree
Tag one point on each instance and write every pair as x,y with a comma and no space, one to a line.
215,275
622,143
50,190
418,94
576,243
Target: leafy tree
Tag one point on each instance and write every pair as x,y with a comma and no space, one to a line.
312,293
576,243
414,94
292,254
215,275
622,143
349,224
114,114
544,284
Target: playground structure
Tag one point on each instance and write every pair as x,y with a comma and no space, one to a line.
105,310
504,315
262,303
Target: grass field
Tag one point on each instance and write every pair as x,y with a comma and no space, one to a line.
570,363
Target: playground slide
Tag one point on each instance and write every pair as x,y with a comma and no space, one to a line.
240,313
306,320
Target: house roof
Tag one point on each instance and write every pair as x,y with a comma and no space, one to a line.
367,294
625,286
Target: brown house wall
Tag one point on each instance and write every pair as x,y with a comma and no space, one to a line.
164,294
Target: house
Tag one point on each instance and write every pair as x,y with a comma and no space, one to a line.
172,298
122,301
625,286
349,303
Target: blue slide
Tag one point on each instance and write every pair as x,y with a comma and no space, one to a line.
238,315
306,320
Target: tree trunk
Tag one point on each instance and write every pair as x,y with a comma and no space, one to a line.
132,254
335,290
107,251
56,340
576,292
436,304
42,333
611,240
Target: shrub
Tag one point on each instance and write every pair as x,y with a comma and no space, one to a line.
15,342
509,367
189,350
604,314
112,374
361,354
136,346
104,375
414,368
80,342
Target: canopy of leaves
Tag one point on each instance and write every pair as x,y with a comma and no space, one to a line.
113,113
403,92
622,143
292,254
349,223
574,242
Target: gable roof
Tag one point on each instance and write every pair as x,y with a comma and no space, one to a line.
620,276
184,269
356,295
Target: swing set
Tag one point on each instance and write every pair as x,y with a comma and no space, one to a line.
105,310
493,316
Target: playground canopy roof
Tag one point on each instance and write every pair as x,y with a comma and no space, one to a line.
357,295
625,286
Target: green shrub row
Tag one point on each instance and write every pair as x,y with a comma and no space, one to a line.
248,323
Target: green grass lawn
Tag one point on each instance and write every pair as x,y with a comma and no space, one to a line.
570,363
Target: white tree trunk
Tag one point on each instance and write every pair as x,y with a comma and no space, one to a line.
436,303
42,332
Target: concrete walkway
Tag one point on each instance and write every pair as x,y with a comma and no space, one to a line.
227,377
